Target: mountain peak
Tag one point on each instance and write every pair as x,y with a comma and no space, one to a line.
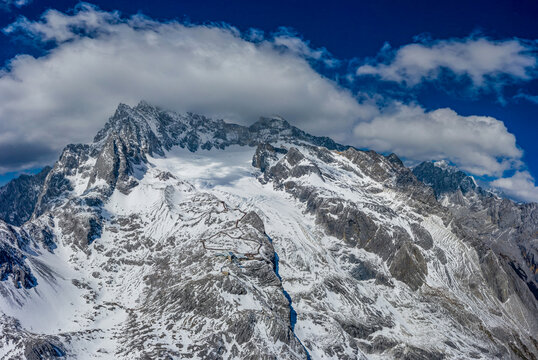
443,164
146,107
444,178
121,111
127,121
19,197
273,122
144,103
168,129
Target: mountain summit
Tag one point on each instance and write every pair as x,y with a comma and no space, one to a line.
176,236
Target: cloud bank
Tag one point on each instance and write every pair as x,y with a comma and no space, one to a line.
519,186
97,59
477,144
486,63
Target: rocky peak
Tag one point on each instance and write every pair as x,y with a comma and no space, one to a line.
121,117
393,158
146,107
444,179
57,183
134,127
157,130
19,197
275,123
276,129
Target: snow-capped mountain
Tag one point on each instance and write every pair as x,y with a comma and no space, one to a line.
176,236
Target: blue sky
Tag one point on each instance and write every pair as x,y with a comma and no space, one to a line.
456,81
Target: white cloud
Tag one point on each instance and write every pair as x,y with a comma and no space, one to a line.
478,144
292,42
520,186
98,59
487,63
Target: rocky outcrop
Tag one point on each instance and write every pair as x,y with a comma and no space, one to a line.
265,154
12,259
409,266
444,179
32,346
341,218
19,197
38,349
57,184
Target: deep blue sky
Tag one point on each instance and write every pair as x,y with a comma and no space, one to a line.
354,29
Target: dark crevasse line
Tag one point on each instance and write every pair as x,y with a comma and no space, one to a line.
293,313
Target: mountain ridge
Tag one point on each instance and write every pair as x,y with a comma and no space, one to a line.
174,235
159,141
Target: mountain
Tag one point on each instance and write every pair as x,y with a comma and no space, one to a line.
488,221
177,236
19,196
444,179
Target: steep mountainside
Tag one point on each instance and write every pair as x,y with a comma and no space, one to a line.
19,196
489,223
445,179
177,236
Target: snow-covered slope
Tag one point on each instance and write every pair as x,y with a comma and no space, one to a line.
176,236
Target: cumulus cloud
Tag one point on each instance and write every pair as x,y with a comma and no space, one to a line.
478,144
486,63
99,59
519,186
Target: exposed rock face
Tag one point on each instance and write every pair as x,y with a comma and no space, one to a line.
422,236
57,182
30,346
444,179
370,225
409,266
265,153
503,232
273,244
14,247
343,219
12,266
19,197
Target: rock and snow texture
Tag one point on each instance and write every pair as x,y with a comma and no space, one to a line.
19,196
176,236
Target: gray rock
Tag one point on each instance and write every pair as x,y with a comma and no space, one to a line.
363,271
422,237
19,197
444,180
409,266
